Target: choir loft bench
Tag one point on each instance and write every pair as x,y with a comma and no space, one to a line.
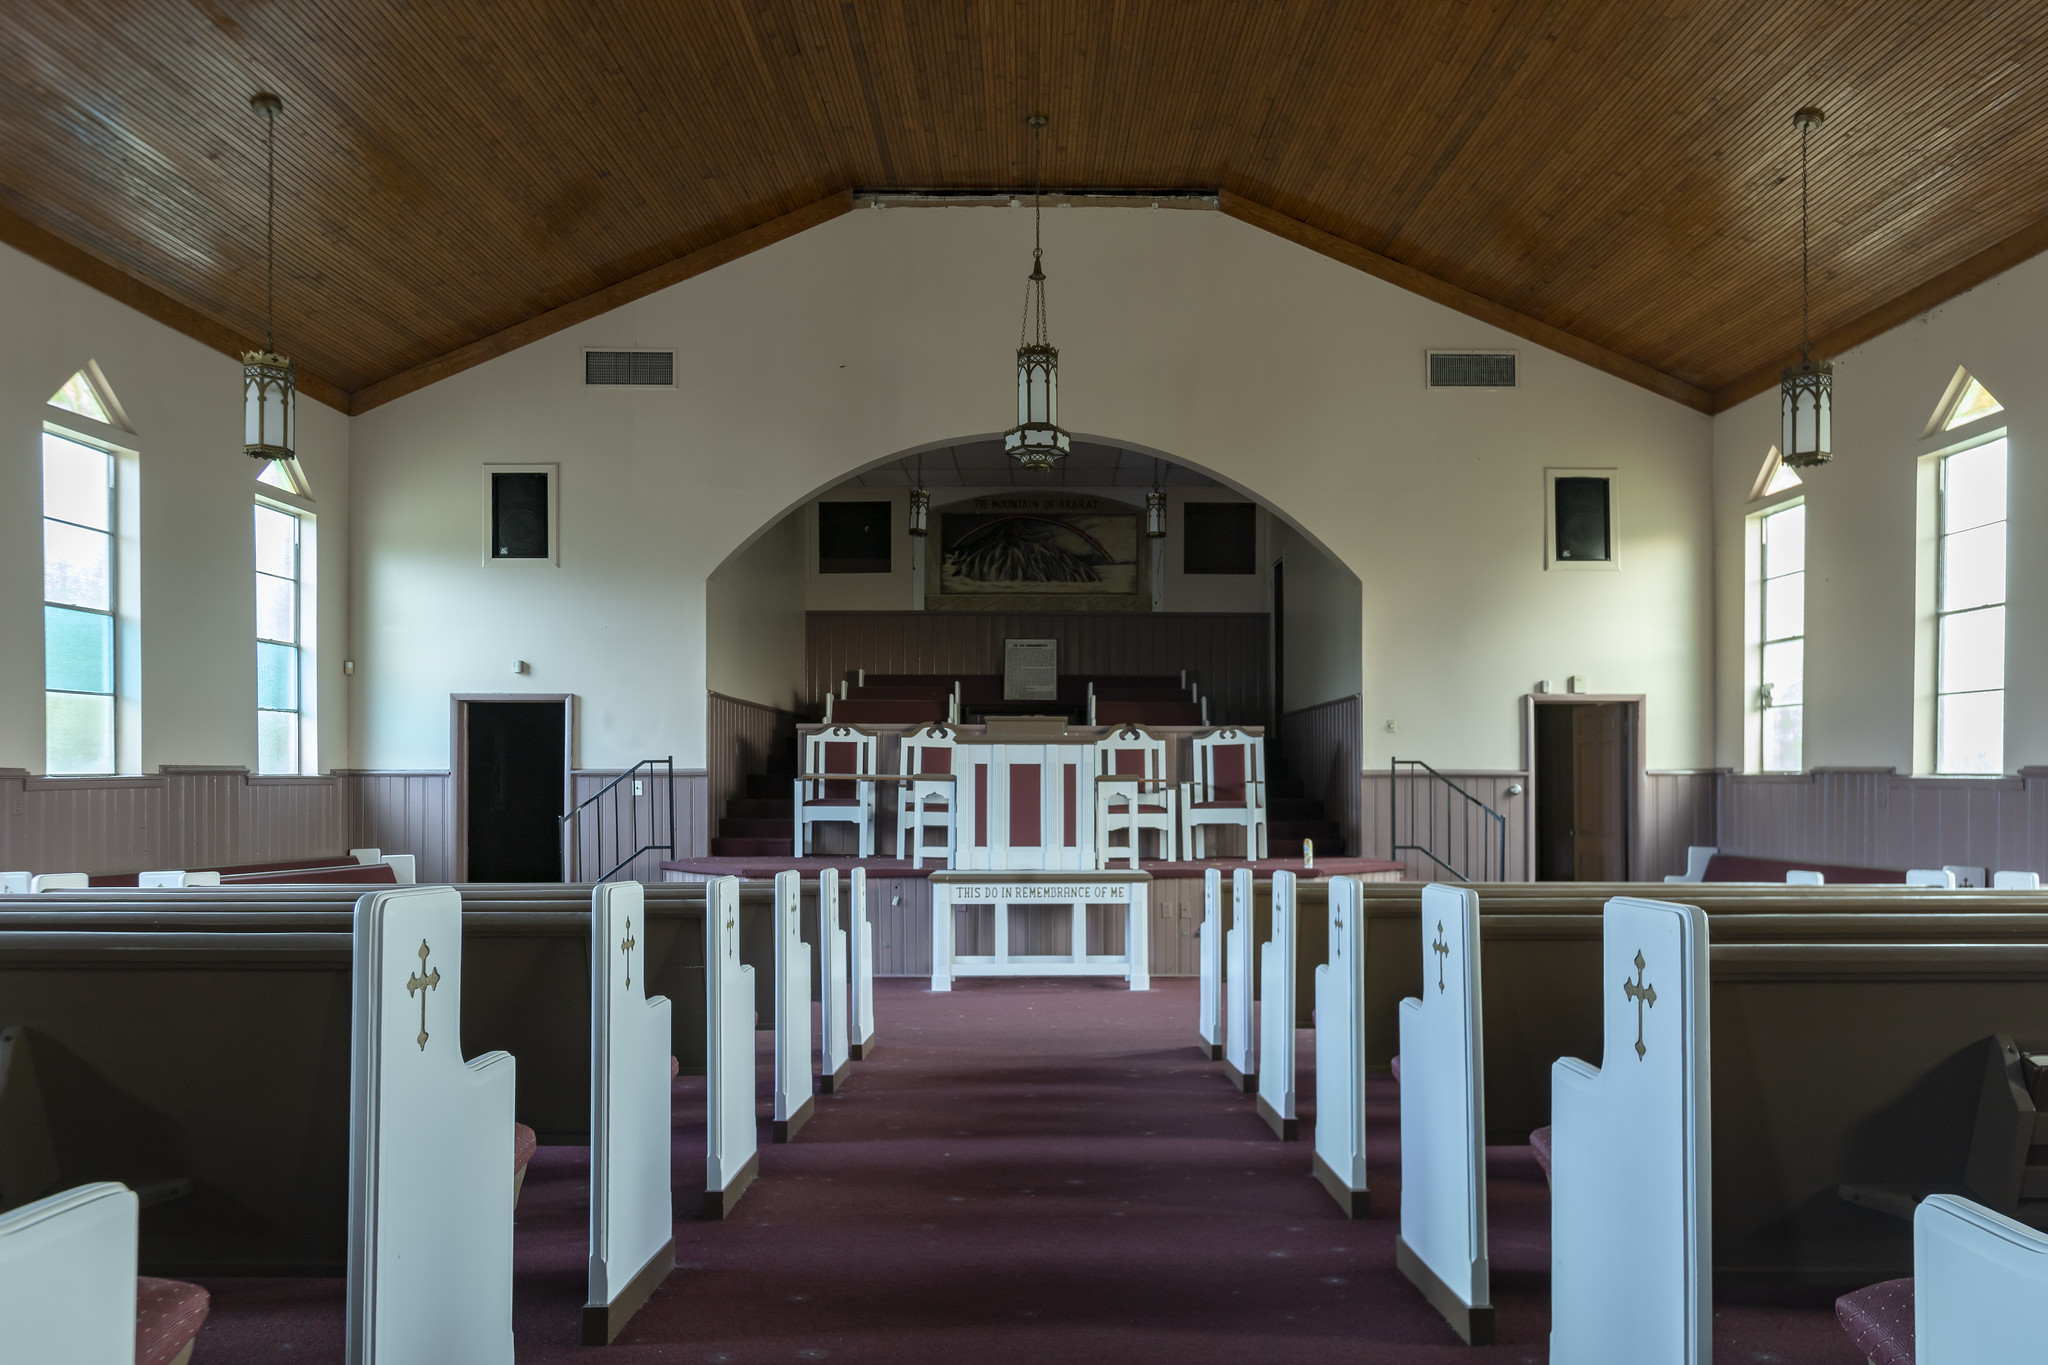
1079,890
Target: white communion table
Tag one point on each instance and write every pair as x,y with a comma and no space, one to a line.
1077,890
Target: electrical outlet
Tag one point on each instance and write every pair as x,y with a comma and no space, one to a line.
636,786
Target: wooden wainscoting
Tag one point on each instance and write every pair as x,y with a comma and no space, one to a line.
1321,746
1680,807
1866,817
179,817
1229,654
648,811
1454,825
408,811
403,812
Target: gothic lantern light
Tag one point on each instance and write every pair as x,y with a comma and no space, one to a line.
1037,442
269,380
920,503
1808,388
1155,507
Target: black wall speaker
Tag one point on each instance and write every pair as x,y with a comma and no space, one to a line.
1219,537
519,516
854,537
1582,521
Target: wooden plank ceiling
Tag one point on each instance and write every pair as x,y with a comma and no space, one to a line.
1626,173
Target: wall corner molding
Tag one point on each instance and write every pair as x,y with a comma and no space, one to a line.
604,300
1462,300
32,239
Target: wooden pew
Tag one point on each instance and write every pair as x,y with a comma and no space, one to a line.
211,1056
1393,925
172,1025
1848,1048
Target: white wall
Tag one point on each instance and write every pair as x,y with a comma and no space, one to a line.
1324,652
196,623
1291,377
1860,610
754,604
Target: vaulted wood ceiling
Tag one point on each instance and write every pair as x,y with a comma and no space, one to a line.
1624,172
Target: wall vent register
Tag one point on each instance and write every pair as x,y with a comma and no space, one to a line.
1471,369
630,369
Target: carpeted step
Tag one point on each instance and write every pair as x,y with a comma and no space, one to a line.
1295,808
771,786
1322,831
761,808
768,828
754,848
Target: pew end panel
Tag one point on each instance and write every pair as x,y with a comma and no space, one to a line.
67,1277
731,1154
1442,1246
1979,1280
1632,1161
430,1146
632,1238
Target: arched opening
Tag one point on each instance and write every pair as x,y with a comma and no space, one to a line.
1234,601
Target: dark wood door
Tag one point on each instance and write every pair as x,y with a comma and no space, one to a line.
514,782
1600,763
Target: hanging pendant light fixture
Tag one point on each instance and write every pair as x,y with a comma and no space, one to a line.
269,380
1037,442
1808,388
1155,506
920,502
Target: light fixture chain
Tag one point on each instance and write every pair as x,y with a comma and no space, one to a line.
270,236
1805,267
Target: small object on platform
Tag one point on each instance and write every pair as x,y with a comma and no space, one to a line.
1308,854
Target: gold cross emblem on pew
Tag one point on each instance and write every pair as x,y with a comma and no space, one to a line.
626,946
1442,951
422,982
1642,995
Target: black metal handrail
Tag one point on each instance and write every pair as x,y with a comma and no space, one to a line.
1459,820
661,772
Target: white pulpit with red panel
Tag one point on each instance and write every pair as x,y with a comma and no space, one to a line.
1026,798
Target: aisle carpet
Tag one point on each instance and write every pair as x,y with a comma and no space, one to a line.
1024,1171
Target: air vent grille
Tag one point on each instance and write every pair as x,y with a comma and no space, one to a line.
1472,369
644,369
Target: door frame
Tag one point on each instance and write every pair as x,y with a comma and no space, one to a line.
458,764
1635,787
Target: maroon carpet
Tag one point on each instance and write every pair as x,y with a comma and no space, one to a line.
1025,1171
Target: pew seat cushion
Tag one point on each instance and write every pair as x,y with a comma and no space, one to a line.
1879,1319
1539,1143
168,1314
523,1144
1397,1068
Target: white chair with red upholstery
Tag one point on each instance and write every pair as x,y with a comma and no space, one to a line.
828,791
1141,801
928,804
1229,788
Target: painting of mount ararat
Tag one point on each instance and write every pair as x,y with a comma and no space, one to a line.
1038,549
